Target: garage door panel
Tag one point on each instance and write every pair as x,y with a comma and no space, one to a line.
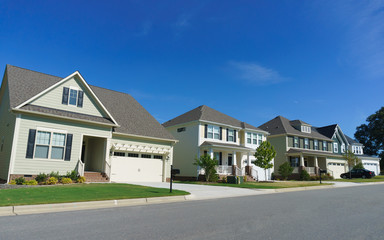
337,169
136,169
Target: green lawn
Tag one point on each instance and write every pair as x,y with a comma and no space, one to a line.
263,185
379,178
80,193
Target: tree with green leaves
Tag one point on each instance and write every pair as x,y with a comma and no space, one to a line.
208,164
359,166
285,170
351,160
371,135
264,155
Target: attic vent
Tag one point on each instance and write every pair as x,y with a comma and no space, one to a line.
181,129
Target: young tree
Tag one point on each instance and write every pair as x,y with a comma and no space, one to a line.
371,135
264,155
208,164
285,170
351,160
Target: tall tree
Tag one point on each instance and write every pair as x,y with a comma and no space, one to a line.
371,135
264,155
351,160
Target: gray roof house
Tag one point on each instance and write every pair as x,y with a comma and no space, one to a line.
49,123
204,130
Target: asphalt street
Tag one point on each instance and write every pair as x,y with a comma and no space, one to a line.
337,213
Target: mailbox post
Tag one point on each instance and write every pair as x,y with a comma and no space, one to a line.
173,173
322,171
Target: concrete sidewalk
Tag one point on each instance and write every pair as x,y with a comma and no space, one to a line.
198,192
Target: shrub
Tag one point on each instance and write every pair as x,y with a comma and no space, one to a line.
285,170
55,175
273,176
20,180
314,178
81,179
326,177
245,178
12,182
304,175
30,182
66,180
215,178
208,164
41,178
72,175
224,179
52,181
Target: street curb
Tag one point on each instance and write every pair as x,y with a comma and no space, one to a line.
75,206
298,189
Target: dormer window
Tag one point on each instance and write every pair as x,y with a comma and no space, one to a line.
306,129
72,96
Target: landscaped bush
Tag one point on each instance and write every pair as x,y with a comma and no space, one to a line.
215,177
30,182
55,175
12,182
20,180
41,178
285,170
224,179
81,179
72,175
66,180
326,176
304,176
245,178
52,181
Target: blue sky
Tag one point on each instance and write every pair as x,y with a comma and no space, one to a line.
318,61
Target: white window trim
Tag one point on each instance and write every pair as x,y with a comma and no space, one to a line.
213,132
229,135
306,143
316,144
42,129
335,147
77,96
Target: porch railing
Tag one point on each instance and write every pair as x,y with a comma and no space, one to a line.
108,169
224,170
238,171
255,174
80,167
310,170
330,172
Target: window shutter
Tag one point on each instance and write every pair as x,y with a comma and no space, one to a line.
68,147
205,153
221,133
234,135
65,95
31,143
80,99
205,130
221,158
227,134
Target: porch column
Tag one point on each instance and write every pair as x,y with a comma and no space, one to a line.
234,160
301,160
316,162
211,153
248,160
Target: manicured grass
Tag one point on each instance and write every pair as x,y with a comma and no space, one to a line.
263,185
379,178
80,193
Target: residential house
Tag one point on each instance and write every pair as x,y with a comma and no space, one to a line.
307,147
49,123
204,130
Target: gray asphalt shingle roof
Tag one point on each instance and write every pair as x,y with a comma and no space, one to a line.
281,125
130,115
206,113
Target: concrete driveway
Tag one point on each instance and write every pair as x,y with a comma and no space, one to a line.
199,192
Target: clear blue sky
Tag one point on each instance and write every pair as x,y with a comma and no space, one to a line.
318,61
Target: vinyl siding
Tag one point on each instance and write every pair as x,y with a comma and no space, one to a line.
23,165
280,145
7,125
53,99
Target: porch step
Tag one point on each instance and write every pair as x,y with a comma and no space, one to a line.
250,178
95,177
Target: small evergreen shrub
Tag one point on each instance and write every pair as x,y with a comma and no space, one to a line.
30,182
66,180
224,179
52,181
12,182
55,175
81,179
20,180
41,178
72,175
285,170
304,176
245,178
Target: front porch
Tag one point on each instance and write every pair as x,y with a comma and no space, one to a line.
307,160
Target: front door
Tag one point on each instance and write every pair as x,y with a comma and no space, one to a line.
230,159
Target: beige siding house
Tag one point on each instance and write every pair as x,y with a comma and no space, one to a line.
204,130
49,123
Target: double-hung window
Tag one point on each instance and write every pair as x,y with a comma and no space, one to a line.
249,140
73,96
295,142
231,135
306,143
343,148
213,132
254,138
324,146
316,144
50,145
335,147
260,138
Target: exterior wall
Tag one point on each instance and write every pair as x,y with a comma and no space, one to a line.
224,136
167,160
186,150
280,145
23,165
7,126
53,99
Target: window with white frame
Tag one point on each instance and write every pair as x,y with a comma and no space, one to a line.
296,142
231,135
73,96
213,132
306,129
260,138
324,146
254,138
50,144
335,147
343,148
306,143
316,144
249,139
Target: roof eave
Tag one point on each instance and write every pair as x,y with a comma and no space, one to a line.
145,137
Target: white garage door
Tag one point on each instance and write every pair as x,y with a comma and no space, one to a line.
131,169
336,168
371,167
